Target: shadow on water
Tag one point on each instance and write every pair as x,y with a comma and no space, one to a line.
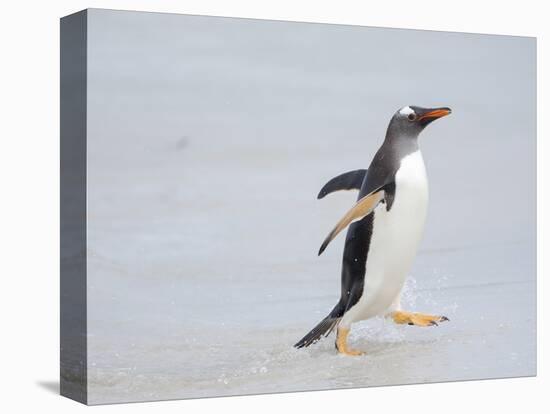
51,386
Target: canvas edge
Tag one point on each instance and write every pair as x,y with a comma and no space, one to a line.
73,280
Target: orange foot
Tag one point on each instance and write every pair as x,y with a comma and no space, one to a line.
417,319
342,343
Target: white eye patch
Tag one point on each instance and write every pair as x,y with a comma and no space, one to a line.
406,111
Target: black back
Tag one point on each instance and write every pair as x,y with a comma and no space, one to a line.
380,174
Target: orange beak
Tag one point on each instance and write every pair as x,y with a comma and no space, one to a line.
435,113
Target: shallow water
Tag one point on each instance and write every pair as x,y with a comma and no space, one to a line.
208,140
234,343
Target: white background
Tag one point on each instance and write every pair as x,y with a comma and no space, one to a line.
29,219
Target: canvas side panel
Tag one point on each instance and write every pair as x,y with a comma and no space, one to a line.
73,373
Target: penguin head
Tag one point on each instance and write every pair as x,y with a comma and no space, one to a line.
411,120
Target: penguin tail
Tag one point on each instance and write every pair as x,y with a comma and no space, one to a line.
325,327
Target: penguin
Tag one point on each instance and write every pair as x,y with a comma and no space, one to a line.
385,229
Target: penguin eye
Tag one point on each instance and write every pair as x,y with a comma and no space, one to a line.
411,116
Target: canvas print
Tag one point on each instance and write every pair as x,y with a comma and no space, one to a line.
252,206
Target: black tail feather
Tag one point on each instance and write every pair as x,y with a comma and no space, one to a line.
325,327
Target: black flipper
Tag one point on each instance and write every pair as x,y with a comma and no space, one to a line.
351,180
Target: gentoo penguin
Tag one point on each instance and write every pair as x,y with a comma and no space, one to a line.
385,228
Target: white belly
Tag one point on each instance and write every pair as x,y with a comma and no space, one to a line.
396,235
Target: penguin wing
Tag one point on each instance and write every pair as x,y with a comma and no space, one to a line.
362,208
352,180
